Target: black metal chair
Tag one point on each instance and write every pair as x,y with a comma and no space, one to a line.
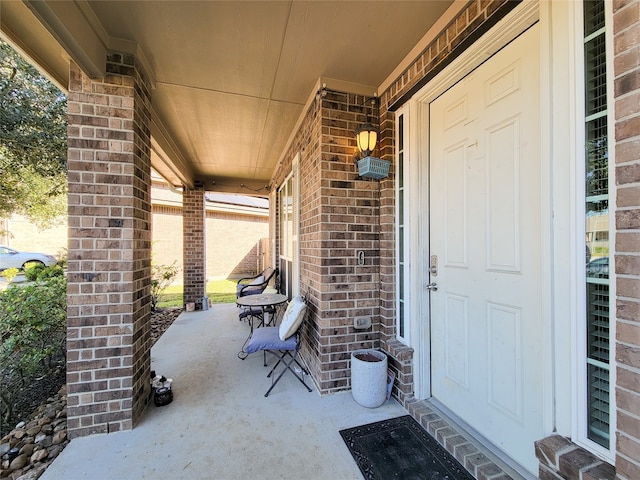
258,283
254,286
283,342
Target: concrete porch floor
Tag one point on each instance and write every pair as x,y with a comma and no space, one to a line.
220,425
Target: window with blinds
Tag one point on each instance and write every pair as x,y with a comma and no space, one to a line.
598,392
402,251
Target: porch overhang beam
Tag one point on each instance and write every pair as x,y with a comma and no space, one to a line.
240,186
77,30
167,158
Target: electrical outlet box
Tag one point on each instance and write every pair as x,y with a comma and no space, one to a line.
362,322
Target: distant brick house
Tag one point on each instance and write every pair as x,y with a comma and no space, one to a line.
237,231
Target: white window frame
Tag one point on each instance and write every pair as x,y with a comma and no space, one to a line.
403,295
580,426
294,255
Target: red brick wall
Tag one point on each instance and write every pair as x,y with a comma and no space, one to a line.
339,217
626,25
237,245
108,360
193,245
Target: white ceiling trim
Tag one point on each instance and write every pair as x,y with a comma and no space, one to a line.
74,33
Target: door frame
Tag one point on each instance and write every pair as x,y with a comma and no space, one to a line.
519,20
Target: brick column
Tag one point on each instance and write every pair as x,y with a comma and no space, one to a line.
194,241
626,66
108,360
348,210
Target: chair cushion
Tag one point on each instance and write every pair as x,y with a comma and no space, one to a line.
292,317
267,338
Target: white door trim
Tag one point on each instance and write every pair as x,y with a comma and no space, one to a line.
504,32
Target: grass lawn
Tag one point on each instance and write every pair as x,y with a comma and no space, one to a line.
218,291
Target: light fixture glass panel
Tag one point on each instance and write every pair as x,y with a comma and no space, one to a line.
366,137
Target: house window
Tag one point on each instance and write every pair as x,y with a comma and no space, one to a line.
598,352
402,253
288,235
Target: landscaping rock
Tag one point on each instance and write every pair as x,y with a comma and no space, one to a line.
27,449
43,436
54,451
18,462
60,437
39,455
34,473
45,442
36,447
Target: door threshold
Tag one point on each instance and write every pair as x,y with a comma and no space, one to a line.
484,446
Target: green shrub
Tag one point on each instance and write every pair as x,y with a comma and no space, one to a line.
33,322
10,273
161,277
32,334
32,270
38,272
50,272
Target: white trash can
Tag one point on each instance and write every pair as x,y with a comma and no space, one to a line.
369,377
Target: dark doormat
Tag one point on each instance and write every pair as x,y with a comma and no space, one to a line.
400,448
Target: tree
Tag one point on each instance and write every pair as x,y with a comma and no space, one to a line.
33,141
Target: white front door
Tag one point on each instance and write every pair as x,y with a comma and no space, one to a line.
485,236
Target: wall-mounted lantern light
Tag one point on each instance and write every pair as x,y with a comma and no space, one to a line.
366,139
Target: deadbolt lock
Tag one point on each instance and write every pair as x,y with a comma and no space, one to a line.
433,265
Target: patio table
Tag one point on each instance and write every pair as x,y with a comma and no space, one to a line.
263,301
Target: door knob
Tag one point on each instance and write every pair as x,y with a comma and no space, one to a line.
432,287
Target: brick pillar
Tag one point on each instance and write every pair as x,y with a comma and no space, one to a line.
194,241
626,71
108,360
348,210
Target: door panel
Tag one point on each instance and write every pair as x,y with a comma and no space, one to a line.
485,203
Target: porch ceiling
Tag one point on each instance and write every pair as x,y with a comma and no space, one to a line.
231,79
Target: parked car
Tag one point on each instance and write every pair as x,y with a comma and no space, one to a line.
598,268
10,258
